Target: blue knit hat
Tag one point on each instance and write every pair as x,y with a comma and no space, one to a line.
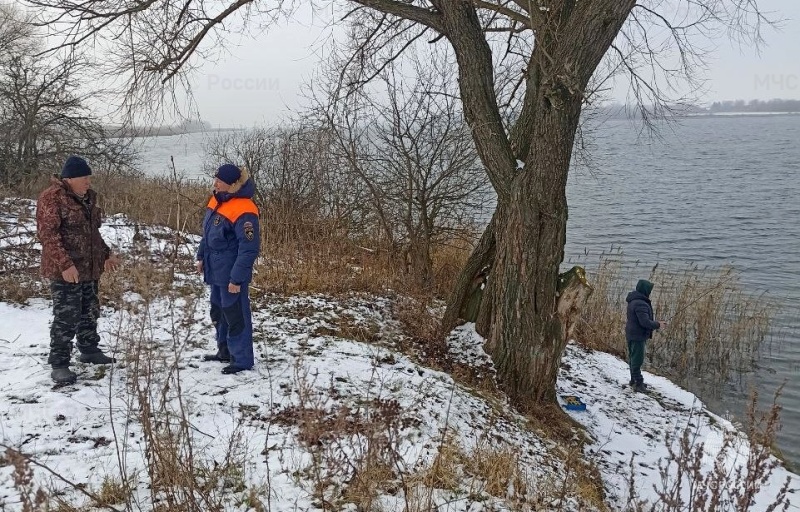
228,173
644,287
75,167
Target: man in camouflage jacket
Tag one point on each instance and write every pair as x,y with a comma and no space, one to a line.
74,255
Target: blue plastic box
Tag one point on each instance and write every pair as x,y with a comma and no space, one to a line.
573,403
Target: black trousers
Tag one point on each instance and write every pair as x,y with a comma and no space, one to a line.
76,308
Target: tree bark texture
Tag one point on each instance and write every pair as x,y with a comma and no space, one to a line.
519,315
482,256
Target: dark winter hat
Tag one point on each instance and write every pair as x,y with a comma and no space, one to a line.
644,287
228,173
75,167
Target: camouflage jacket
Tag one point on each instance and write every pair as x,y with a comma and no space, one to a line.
69,229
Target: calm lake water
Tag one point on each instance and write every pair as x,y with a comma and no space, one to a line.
709,191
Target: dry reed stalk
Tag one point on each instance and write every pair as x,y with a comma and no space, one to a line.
715,328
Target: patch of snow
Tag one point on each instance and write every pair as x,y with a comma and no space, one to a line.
304,364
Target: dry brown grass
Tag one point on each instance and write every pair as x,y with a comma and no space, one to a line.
353,450
495,469
61,505
714,323
369,481
181,476
448,260
445,472
19,263
173,201
552,423
419,317
347,326
32,498
301,252
112,492
148,279
18,287
253,501
334,265
581,476
499,468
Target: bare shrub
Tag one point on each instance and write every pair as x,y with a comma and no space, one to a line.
173,201
407,144
19,254
182,478
298,182
730,485
45,112
31,497
354,451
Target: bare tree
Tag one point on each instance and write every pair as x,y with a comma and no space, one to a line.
297,176
44,112
16,32
524,71
407,141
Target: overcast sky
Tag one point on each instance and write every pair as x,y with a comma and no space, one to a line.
259,81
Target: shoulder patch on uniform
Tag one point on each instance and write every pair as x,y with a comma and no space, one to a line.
249,231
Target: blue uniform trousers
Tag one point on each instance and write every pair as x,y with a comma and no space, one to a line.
231,315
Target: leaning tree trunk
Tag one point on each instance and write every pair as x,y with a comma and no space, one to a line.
482,256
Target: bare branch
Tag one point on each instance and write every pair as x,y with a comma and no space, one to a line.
428,17
506,12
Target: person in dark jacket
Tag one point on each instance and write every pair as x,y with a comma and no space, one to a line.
226,255
74,255
638,329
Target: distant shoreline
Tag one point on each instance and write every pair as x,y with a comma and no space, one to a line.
696,115
172,131
137,133
736,114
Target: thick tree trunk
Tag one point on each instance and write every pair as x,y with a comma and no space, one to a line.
527,338
519,315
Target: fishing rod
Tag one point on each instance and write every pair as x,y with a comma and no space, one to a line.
696,299
675,314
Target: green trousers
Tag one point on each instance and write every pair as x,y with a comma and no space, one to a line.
635,360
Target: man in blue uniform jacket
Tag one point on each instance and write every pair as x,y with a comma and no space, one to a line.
227,251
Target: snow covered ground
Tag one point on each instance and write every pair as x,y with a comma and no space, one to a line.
330,396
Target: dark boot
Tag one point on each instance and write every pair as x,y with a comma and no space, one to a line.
641,387
63,376
216,357
228,370
96,358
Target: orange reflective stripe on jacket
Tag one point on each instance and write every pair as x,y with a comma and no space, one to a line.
234,208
